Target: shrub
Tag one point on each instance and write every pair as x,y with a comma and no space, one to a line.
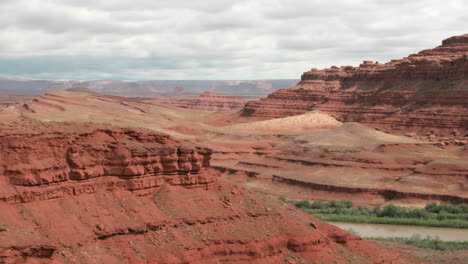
347,204
303,204
390,211
317,205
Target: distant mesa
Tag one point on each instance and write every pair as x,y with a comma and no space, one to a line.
80,89
419,93
207,101
255,88
179,90
211,95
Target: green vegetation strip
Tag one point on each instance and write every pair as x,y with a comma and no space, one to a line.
434,215
391,221
418,241
426,243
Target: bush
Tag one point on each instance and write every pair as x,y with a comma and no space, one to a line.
303,204
431,207
317,205
463,208
347,204
390,211
333,204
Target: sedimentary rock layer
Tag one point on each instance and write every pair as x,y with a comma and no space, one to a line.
424,91
85,193
30,159
207,101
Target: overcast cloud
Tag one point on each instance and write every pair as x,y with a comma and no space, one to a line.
214,39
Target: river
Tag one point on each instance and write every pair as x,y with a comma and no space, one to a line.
377,230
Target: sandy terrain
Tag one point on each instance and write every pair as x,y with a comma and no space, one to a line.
297,123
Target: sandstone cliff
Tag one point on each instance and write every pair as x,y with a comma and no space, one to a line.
422,92
86,193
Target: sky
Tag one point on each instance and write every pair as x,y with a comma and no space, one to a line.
214,39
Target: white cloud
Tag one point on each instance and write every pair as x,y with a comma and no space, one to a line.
215,39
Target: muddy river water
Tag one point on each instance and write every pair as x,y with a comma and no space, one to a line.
377,230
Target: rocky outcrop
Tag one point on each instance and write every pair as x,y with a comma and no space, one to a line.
224,223
207,101
86,193
424,91
34,159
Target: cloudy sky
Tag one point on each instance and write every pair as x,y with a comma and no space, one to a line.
214,39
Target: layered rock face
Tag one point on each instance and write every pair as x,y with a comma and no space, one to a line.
34,159
207,101
422,92
85,193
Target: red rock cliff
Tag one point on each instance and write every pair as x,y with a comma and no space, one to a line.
46,157
93,194
424,91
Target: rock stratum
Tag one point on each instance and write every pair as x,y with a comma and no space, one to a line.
87,193
53,157
207,101
422,92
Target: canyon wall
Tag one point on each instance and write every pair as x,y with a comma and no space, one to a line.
422,92
88,193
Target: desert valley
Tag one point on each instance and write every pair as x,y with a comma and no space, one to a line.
239,171
88,177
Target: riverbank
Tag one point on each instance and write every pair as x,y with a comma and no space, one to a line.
433,215
384,231
424,242
364,219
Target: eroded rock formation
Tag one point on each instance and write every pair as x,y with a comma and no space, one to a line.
207,101
86,193
425,91
31,159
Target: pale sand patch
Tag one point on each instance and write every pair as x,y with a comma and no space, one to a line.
309,120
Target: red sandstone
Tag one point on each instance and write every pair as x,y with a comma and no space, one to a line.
424,91
87,193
